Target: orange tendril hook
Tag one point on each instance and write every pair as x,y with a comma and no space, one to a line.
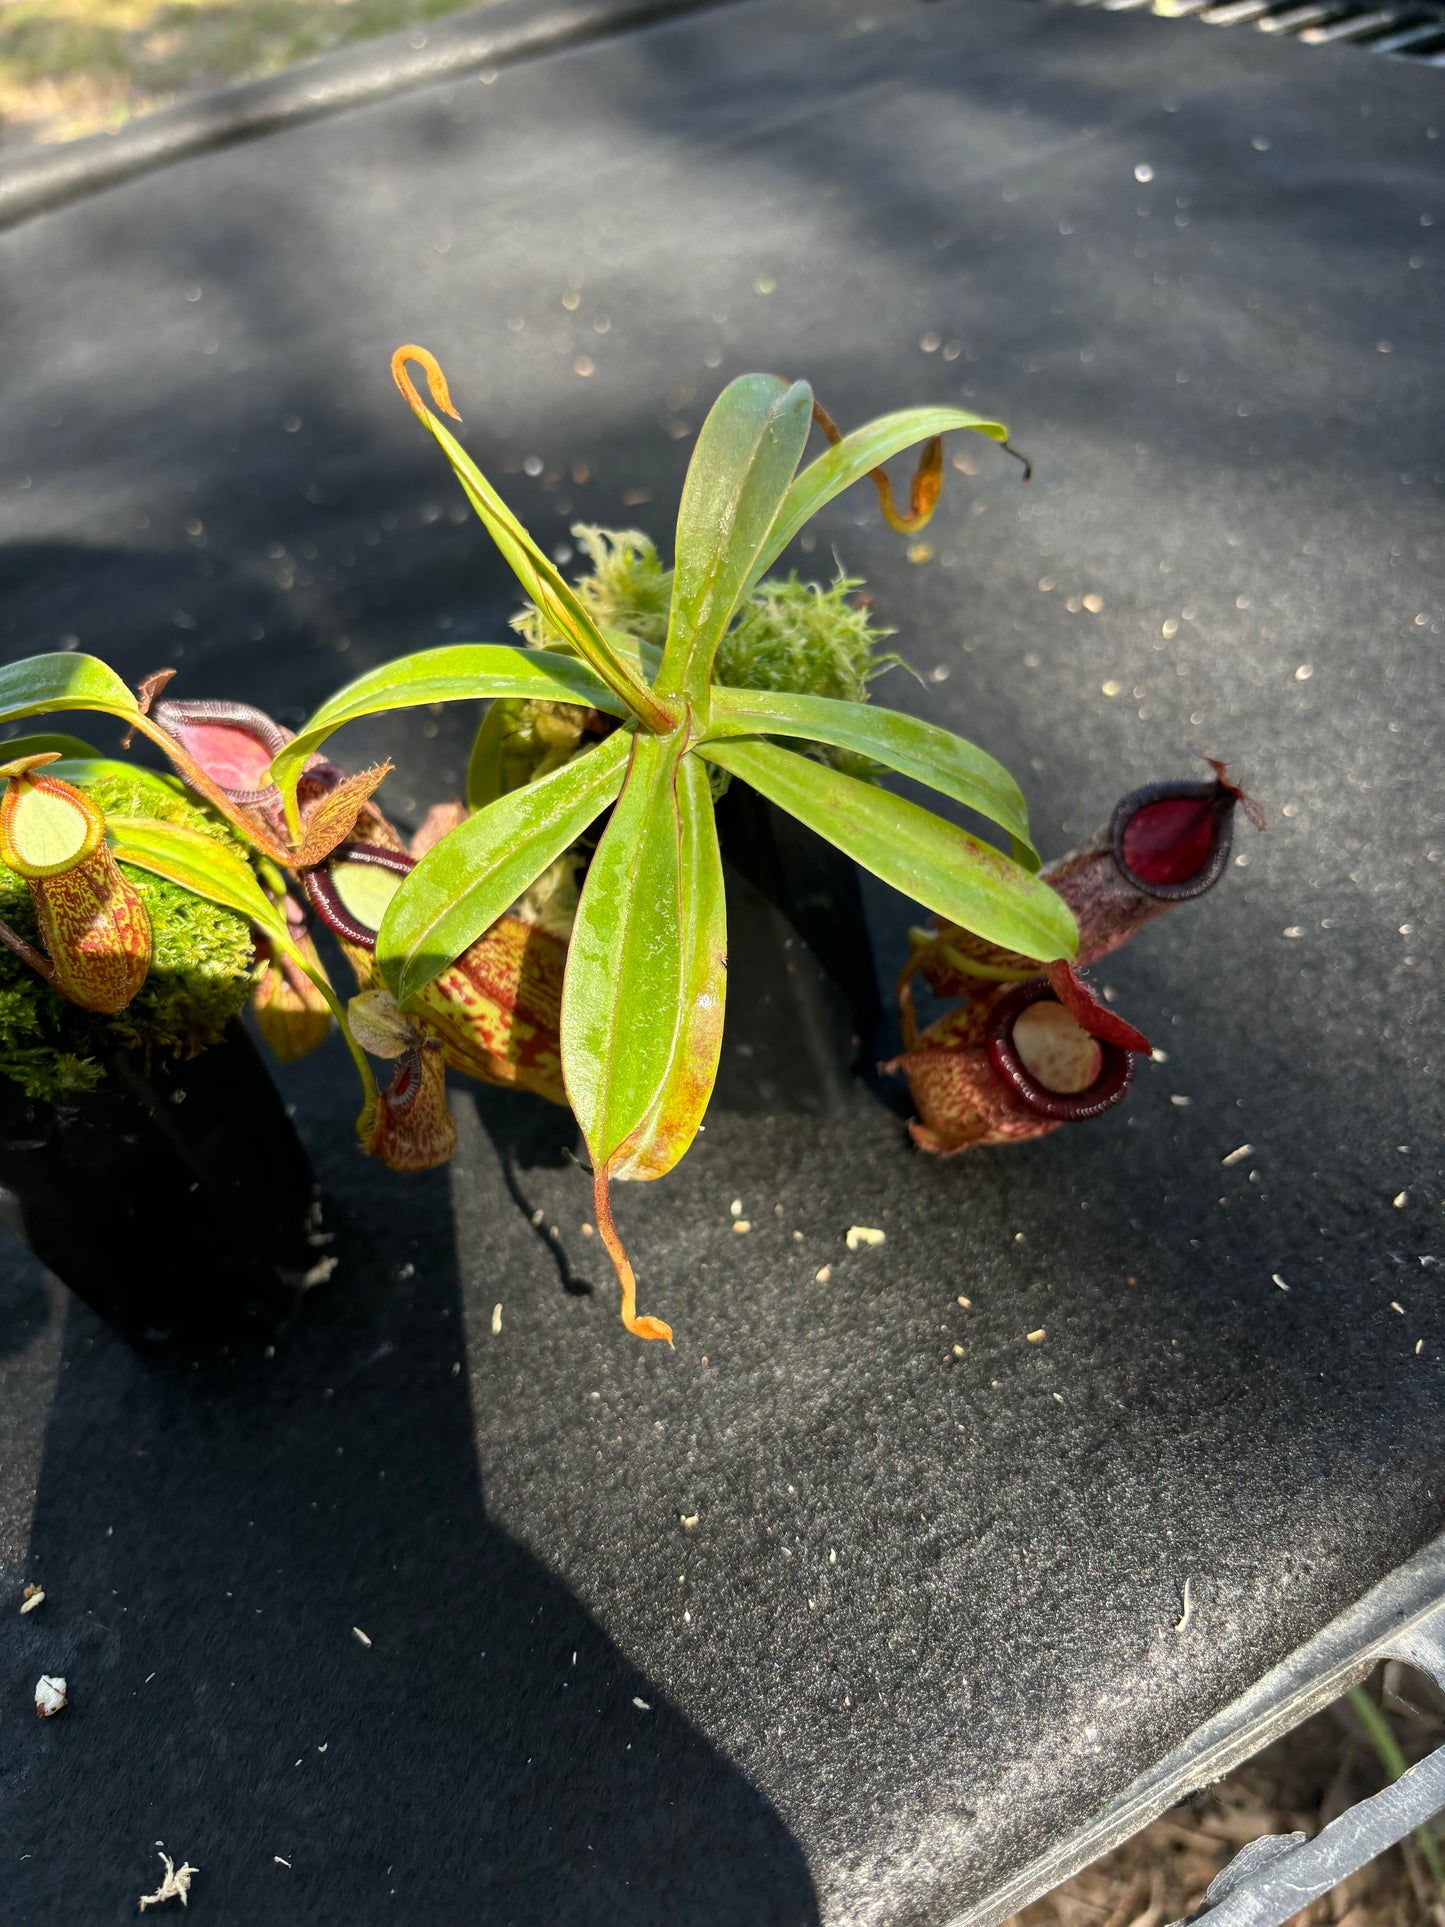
923,490
436,381
602,1208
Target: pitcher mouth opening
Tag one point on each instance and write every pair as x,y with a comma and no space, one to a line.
1050,1062
232,742
1172,840
351,890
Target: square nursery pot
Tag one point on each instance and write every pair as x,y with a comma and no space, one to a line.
176,1199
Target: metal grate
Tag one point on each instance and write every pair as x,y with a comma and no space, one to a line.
1405,30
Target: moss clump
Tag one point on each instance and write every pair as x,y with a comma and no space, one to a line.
788,635
202,967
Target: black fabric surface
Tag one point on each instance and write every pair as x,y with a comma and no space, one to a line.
926,1618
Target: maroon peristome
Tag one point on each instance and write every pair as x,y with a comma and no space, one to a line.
325,900
1115,1076
1164,844
232,742
1171,841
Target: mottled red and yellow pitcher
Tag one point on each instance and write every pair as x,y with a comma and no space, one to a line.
92,923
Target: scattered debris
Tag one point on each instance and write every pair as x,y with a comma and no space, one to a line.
1035,1337
357,1633
688,1521
1276,1279
863,1234
958,1351
1395,1305
496,1321
319,1273
279,1861
175,1886
736,1207
1183,1619
642,1705
33,1596
822,1274
742,1224
1182,1102
589,1231
1400,1200
1238,1155
50,1697
967,1303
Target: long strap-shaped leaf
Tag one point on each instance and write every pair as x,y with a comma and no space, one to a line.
643,1002
197,862
72,748
462,672
542,582
39,684
930,860
850,460
209,869
930,755
745,457
479,869
94,768
670,1123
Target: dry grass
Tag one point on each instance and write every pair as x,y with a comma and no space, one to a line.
1299,1784
70,67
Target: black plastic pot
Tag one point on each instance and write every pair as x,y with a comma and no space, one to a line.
176,1200
802,1007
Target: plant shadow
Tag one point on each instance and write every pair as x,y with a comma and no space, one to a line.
301,1655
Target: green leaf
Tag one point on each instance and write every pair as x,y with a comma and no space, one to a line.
463,672
955,875
479,869
930,755
544,585
198,863
646,970
88,769
745,458
70,747
646,979
40,684
850,460
672,1123
484,765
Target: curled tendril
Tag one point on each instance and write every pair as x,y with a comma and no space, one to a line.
926,484
602,1210
923,490
436,381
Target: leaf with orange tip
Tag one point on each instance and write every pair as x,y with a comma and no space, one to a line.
547,588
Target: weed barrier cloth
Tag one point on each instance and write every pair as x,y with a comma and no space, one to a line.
850,1604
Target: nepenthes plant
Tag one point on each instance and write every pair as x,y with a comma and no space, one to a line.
644,991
